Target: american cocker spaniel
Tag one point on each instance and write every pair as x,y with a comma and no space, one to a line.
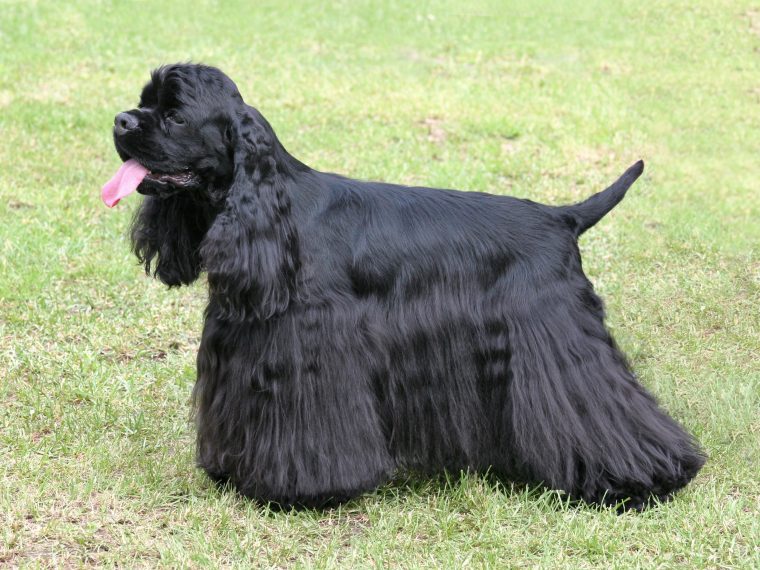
358,329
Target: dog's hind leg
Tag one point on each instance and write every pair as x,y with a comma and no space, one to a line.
580,420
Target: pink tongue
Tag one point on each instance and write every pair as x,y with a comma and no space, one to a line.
123,183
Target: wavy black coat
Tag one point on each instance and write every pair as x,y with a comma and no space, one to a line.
358,329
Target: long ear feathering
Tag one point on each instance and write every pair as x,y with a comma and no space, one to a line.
166,236
251,252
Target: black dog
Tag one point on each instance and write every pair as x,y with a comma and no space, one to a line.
358,329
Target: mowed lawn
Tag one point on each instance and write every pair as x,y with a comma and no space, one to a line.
544,100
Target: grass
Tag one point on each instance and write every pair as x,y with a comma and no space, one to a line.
547,100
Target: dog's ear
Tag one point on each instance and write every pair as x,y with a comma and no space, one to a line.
251,250
166,236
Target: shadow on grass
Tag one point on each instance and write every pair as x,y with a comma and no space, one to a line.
458,491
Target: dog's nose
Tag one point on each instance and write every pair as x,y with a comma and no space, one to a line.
124,122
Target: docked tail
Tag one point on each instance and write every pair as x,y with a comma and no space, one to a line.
585,214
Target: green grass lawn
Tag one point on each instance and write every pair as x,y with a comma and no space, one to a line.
545,100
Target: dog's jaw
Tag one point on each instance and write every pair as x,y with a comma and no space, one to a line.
163,185
133,176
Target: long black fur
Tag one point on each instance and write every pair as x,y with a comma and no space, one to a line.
357,329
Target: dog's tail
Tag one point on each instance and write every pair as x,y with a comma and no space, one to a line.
586,214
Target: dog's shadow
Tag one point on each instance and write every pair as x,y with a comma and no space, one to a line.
462,492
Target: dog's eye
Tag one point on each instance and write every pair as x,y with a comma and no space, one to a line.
175,118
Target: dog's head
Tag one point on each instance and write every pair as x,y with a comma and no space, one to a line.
185,130
215,179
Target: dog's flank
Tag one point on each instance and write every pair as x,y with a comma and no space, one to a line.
358,329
